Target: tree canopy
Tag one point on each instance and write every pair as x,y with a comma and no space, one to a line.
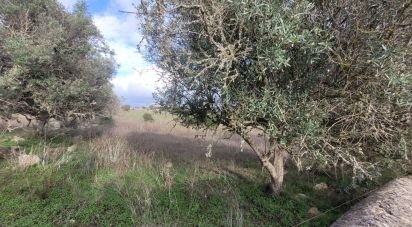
328,82
53,63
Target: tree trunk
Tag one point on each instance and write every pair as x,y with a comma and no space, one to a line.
42,130
276,168
277,173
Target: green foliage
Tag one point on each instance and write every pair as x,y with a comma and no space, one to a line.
126,107
328,82
106,121
54,64
58,197
147,117
33,143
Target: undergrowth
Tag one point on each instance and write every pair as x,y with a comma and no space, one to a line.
144,189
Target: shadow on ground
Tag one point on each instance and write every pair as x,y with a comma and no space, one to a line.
183,149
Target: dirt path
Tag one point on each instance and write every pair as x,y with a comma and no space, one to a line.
389,206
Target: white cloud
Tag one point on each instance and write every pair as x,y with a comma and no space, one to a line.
136,79
137,88
128,57
118,27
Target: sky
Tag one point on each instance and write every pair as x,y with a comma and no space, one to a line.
135,80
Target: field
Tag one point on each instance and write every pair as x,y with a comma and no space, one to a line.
135,173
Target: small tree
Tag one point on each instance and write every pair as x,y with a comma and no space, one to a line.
324,81
126,107
54,64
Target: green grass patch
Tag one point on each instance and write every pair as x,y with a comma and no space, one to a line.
46,196
34,143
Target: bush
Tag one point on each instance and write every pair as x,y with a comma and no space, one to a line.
147,117
106,121
126,107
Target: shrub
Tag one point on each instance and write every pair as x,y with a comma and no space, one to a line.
126,107
147,117
107,120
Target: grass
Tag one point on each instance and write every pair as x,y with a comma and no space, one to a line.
149,173
45,196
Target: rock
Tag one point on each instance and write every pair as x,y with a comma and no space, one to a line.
389,206
301,196
13,124
313,211
35,123
4,153
20,119
28,160
9,153
72,148
54,124
16,121
321,187
3,123
169,165
17,139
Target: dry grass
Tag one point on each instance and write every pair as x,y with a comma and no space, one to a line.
167,140
162,147
162,151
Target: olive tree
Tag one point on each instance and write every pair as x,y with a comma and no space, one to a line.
327,83
54,64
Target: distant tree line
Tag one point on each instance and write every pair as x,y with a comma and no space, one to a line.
53,63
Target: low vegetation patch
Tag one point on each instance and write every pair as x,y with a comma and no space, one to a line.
147,117
106,181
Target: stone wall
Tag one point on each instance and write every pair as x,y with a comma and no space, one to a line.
16,121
